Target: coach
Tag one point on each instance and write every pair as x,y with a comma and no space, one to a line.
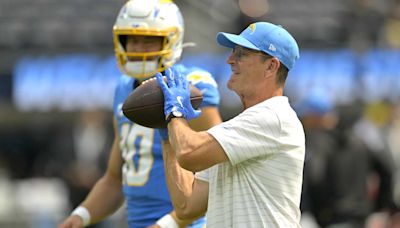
248,169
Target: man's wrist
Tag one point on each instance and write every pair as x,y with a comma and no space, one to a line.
174,114
167,221
83,213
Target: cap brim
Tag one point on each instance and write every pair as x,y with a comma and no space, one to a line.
231,40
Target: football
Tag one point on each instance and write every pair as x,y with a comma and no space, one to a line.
145,104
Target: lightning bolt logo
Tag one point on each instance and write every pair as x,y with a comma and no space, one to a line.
252,27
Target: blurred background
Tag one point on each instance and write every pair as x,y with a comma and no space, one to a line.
58,73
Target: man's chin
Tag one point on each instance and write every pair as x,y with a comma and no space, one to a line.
229,85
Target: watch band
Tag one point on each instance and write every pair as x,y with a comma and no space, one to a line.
174,114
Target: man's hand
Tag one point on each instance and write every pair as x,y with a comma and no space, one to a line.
176,94
73,221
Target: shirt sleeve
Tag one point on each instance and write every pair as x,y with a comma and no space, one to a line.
203,175
252,134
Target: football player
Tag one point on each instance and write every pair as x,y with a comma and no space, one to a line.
148,38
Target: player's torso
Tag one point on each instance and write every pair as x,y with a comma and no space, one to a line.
143,176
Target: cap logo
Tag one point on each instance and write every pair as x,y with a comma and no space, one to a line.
272,47
252,27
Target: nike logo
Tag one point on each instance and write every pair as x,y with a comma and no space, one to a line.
179,99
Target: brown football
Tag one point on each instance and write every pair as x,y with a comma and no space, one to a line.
145,104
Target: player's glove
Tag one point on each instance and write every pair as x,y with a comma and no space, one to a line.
176,94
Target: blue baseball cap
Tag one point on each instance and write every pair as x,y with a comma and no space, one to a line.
266,37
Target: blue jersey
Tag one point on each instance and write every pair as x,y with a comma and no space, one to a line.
144,184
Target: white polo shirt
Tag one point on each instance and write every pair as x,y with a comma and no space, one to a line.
261,184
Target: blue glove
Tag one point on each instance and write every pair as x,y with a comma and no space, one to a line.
176,94
163,133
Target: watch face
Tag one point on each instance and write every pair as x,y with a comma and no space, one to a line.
177,113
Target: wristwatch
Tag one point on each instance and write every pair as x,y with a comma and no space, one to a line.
174,114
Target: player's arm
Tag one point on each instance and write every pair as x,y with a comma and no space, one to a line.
194,151
106,196
182,185
188,194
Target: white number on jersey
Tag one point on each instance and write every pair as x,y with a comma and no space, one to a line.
136,145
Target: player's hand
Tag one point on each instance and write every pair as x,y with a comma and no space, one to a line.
176,94
73,221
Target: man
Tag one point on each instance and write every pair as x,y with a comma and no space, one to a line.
339,163
248,169
148,38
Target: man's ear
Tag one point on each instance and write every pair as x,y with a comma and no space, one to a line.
272,65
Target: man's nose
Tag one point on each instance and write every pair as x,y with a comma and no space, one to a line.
231,59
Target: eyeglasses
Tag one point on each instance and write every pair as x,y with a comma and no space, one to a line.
238,52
